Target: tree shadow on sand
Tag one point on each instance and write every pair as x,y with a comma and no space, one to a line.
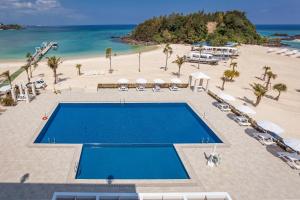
247,100
270,97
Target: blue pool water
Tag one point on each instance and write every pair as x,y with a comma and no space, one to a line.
135,162
130,123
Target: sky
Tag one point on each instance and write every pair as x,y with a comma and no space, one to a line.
88,12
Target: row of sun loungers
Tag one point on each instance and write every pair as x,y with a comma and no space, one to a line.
143,87
285,52
265,138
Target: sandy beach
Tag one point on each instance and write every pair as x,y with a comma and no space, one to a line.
285,112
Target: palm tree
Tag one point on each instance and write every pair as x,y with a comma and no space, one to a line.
7,76
26,68
108,54
53,62
168,52
233,65
266,68
270,76
140,53
259,91
179,61
78,66
233,74
29,60
280,87
35,65
226,76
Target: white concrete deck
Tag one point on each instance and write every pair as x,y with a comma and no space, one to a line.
248,170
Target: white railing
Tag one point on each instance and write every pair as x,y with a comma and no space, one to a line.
141,196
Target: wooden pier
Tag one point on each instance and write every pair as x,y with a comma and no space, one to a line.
43,50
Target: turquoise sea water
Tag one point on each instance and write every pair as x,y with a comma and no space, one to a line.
73,40
269,30
91,40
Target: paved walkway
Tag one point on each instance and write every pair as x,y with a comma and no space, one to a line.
249,171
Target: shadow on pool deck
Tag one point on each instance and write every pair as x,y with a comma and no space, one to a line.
44,191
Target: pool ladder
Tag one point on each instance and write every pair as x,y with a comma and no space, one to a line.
203,140
122,101
51,142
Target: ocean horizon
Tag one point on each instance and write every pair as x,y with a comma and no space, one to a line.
92,40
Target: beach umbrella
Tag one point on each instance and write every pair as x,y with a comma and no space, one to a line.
226,97
246,110
176,81
158,81
141,81
292,143
270,126
123,81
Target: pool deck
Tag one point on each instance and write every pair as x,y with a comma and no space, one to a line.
248,170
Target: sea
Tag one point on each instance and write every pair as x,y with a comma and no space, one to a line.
291,30
92,40
73,41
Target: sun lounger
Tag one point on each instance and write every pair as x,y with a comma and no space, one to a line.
140,88
21,97
264,138
242,121
223,107
293,159
282,51
156,88
123,88
174,88
290,53
200,88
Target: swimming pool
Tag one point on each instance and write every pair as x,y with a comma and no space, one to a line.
136,162
130,123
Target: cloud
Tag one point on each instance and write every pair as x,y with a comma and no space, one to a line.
19,8
30,5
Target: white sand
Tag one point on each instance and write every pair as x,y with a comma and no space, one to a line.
285,112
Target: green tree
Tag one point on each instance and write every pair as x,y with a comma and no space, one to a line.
78,67
266,69
270,76
226,76
53,62
280,87
108,54
168,52
179,61
259,91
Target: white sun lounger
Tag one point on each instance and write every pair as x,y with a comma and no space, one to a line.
282,51
21,97
174,88
223,107
123,88
290,53
264,138
293,159
156,88
241,120
140,88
